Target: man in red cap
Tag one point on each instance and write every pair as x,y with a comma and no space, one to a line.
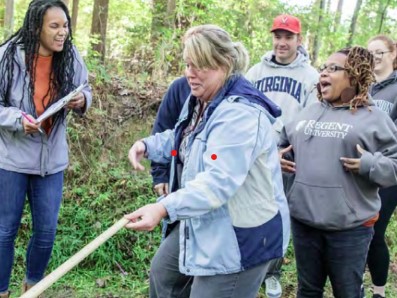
286,77
287,37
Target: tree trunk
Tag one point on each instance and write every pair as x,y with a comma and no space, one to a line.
328,7
2,15
171,10
159,17
9,18
98,27
382,14
338,15
352,30
75,11
316,40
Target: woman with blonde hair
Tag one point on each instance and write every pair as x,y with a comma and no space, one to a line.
226,210
384,94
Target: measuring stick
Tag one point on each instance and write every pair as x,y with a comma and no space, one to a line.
45,283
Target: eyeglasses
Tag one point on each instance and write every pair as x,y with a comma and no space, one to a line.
330,68
379,55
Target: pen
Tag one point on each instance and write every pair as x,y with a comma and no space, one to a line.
27,118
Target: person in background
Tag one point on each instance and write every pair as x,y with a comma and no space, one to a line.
228,226
286,77
38,66
167,117
341,149
384,94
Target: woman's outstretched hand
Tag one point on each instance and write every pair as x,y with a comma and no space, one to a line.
146,218
135,155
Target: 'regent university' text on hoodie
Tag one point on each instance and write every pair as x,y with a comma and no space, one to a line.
324,195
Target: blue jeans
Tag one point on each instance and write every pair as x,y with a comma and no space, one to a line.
340,255
44,195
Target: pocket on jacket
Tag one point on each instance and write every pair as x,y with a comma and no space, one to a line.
325,207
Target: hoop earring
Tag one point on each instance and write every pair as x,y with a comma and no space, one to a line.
348,94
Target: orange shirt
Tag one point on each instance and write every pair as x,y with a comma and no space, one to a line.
371,221
41,88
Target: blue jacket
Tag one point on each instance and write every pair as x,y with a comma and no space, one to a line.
167,117
233,210
33,154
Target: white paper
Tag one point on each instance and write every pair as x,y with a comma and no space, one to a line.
60,104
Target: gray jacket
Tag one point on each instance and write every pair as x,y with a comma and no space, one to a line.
292,87
384,93
324,195
33,154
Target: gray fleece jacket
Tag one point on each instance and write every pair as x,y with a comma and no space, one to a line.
324,195
384,95
291,87
33,154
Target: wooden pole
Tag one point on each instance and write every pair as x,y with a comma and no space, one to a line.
74,260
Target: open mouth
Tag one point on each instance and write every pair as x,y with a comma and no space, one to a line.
194,85
325,86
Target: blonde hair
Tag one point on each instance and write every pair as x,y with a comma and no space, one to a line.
210,47
389,43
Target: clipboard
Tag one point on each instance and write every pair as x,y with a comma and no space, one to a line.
60,103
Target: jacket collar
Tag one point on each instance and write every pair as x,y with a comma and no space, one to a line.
380,85
237,85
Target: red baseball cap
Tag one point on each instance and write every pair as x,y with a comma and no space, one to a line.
288,23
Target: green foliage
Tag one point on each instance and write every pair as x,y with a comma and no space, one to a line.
129,47
129,29
371,19
96,67
99,189
100,186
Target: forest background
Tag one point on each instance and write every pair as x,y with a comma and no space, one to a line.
133,51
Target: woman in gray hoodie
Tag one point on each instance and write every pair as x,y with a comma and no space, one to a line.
341,149
384,94
38,66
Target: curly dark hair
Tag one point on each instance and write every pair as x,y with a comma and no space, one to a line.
28,38
359,66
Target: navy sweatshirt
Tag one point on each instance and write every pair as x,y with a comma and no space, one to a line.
167,117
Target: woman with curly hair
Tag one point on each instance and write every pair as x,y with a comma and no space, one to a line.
384,94
38,66
341,149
